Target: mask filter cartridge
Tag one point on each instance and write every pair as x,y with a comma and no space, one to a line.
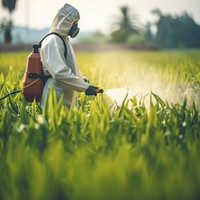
73,32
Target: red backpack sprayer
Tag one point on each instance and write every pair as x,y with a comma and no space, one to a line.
34,78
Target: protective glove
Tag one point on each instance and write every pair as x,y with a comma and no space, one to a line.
91,90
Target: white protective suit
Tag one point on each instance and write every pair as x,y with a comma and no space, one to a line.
66,78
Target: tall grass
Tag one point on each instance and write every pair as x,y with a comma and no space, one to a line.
131,152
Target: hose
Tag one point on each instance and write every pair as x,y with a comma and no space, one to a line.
19,90
13,92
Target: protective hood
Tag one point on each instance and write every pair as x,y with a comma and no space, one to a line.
64,19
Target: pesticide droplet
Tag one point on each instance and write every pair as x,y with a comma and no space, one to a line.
117,94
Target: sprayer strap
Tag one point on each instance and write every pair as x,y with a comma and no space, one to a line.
41,76
54,33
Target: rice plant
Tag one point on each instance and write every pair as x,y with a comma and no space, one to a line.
146,147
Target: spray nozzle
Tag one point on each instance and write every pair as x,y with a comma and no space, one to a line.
100,90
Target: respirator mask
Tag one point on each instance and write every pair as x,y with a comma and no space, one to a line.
73,32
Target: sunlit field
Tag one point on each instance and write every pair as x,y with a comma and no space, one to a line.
138,140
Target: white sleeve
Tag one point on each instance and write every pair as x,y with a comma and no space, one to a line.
52,57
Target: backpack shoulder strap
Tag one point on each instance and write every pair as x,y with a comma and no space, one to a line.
54,33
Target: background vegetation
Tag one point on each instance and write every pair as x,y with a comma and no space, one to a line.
170,31
6,25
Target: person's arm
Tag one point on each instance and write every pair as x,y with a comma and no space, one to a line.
52,57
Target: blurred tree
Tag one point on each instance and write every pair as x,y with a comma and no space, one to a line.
148,34
7,27
176,31
125,26
9,4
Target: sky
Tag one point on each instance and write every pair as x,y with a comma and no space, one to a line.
96,14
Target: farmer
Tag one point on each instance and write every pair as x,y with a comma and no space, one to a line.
66,77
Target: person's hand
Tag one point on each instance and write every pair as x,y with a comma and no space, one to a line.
91,90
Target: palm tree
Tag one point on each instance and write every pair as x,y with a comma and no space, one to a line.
125,26
10,5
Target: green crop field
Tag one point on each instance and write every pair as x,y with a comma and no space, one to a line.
139,140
